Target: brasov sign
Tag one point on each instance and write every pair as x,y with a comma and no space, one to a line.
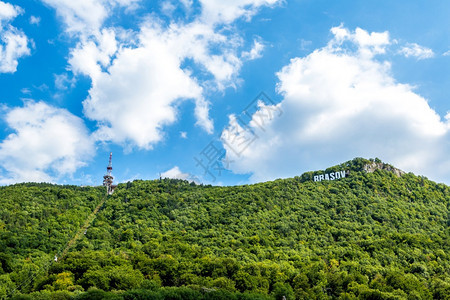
330,176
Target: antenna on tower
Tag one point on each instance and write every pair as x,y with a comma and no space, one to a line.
109,178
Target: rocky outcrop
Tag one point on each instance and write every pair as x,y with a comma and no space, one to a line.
370,168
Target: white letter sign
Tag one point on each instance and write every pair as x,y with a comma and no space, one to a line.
330,176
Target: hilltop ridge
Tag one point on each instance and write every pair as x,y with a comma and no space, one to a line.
372,167
358,164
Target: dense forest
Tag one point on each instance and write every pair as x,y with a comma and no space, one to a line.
370,235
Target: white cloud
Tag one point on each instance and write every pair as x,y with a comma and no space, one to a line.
47,142
86,16
63,82
305,44
168,8
14,43
80,16
368,44
255,52
213,51
92,56
447,53
183,134
175,173
139,78
417,51
8,12
25,91
338,104
225,12
35,20
136,98
187,3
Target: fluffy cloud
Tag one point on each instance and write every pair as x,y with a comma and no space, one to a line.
8,11
175,173
80,16
368,44
225,12
35,20
138,78
339,102
417,51
92,56
62,82
14,43
137,96
255,52
86,16
47,142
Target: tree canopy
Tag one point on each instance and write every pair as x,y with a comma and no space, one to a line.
366,236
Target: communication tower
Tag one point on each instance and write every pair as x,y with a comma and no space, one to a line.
108,178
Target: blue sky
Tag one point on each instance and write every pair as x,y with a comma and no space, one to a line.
221,92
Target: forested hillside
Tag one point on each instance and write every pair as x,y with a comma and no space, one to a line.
370,235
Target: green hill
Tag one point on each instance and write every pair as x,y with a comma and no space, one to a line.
377,233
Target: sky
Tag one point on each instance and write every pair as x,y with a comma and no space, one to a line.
221,92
